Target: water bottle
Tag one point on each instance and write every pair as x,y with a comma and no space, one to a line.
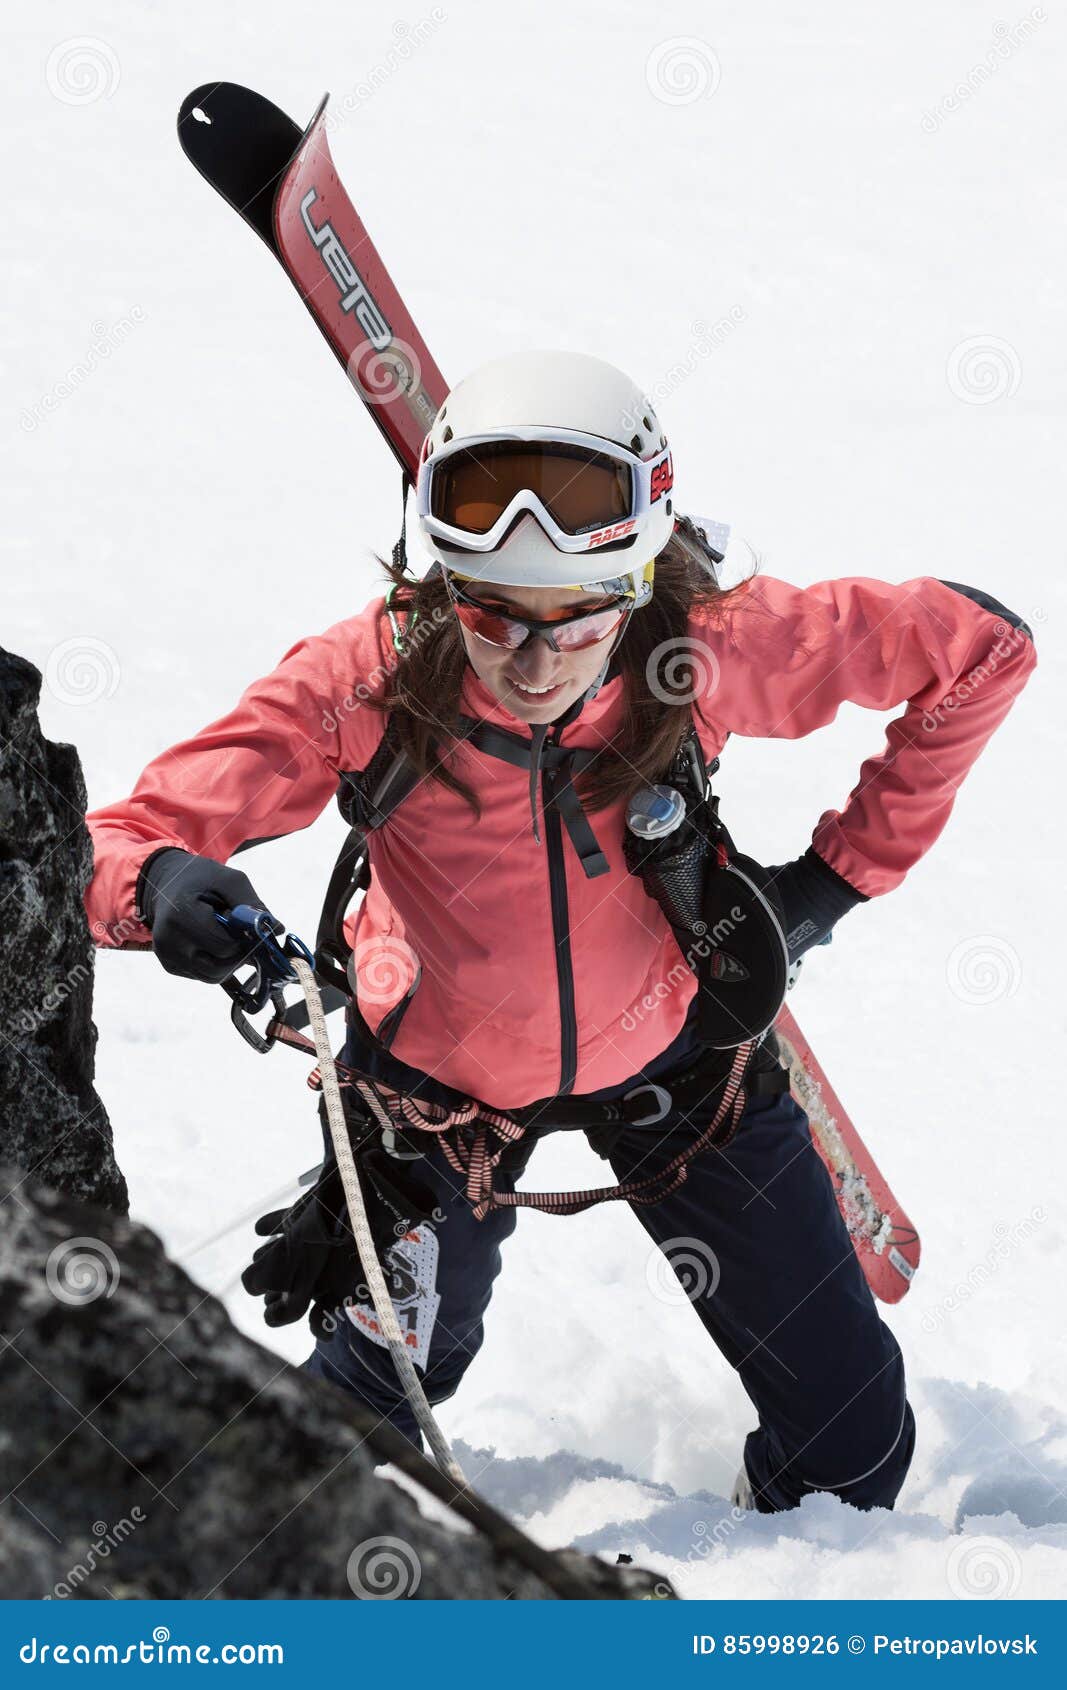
669,853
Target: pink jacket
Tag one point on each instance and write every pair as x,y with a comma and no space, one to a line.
463,910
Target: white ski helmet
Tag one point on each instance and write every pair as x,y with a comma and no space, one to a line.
539,468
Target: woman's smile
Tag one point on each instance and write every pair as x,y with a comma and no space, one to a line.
535,684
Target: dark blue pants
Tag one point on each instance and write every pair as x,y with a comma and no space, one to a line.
761,1249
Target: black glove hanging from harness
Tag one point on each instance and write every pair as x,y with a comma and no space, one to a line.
311,1257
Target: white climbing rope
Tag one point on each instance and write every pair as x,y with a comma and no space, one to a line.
357,1214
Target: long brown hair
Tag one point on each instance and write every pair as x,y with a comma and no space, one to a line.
657,660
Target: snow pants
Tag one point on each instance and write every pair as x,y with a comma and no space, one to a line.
763,1254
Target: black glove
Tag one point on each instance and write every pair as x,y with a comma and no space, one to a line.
814,897
178,896
312,1259
312,1254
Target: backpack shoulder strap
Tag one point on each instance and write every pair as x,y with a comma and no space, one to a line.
366,798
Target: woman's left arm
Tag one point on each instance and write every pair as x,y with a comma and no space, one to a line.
788,657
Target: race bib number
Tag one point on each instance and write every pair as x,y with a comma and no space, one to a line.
410,1269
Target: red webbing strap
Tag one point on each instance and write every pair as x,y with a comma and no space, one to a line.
648,1190
404,1110
475,1163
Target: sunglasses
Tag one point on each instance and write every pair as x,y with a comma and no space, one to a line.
566,631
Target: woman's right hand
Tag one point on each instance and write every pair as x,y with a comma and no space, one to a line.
179,896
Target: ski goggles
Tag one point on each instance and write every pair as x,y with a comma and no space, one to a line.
567,631
584,490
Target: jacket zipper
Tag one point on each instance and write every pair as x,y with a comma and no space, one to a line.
561,934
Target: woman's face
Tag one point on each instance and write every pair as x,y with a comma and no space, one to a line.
506,673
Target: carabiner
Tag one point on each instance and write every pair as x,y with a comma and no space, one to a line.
271,964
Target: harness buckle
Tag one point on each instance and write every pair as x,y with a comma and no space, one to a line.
663,1102
393,1149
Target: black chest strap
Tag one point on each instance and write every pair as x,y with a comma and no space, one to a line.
558,765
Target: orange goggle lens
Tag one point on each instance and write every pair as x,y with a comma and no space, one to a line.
581,489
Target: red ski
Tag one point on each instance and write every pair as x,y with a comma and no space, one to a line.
885,1240
284,184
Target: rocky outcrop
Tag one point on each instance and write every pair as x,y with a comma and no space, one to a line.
52,1123
153,1451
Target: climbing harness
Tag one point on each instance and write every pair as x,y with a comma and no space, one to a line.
466,1131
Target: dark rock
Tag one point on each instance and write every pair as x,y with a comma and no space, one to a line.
152,1451
51,1121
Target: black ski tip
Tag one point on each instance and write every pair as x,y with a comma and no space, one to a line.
242,144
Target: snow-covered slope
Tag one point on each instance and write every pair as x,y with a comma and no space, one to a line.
847,300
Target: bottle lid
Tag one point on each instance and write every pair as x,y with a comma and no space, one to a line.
655,811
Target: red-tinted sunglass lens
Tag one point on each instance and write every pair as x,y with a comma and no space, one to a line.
490,625
588,630
570,634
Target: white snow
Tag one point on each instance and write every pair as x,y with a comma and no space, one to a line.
795,263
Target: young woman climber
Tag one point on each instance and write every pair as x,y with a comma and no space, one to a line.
551,667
